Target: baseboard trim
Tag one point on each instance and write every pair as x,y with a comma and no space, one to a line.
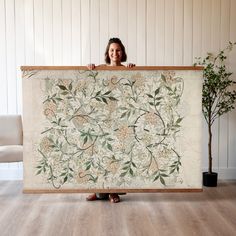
11,173
225,173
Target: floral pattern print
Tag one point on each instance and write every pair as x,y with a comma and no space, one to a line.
111,130
129,129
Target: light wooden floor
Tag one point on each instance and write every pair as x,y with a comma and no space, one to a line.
212,212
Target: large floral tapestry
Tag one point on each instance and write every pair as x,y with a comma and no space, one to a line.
118,129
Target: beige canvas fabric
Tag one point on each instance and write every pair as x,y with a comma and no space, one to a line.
118,129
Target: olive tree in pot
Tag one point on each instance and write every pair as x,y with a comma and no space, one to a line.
218,98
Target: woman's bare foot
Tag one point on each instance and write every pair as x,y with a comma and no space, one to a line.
114,198
92,197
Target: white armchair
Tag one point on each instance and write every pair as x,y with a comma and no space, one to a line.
11,138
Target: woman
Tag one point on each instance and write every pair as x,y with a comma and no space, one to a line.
114,55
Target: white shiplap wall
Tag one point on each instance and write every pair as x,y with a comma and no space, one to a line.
155,32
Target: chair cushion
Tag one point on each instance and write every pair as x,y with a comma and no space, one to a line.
11,153
11,132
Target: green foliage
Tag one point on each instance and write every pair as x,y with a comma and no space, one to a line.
217,96
83,136
104,97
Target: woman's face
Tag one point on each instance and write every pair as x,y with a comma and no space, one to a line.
115,53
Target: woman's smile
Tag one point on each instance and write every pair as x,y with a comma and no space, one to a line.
115,54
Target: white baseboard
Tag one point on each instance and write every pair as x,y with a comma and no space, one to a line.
11,171
225,173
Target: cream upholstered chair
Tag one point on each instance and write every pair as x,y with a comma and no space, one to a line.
11,138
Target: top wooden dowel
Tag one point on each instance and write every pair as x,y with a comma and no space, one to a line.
24,68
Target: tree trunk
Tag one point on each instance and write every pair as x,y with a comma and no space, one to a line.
209,148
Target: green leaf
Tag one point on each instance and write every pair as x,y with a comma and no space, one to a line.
128,115
172,166
133,164
157,91
104,100
88,167
107,93
123,174
38,172
149,95
65,179
131,172
179,120
113,99
109,146
123,115
97,93
85,139
162,181
163,78
169,88
125,168
156,178
62,87
70,86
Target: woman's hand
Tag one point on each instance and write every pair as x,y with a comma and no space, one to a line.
130,65
91,66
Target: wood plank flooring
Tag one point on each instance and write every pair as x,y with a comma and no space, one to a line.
211,212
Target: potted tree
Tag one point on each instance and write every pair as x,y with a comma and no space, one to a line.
218,98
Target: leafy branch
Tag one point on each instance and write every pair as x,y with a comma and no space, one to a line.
176,164
160,175
217,96
104,97
129,165
130,84
68,91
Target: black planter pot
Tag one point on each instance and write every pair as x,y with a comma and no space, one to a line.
210,179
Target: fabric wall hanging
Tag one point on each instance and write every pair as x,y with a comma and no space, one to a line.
112,129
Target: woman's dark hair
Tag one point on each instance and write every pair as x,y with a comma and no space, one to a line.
118,41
